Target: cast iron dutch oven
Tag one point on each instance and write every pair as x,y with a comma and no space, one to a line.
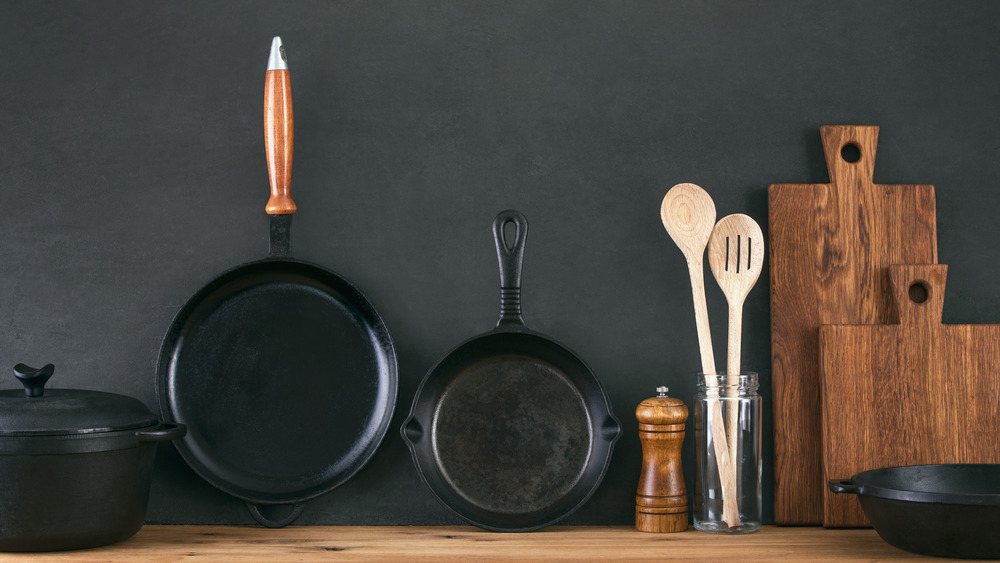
511,430
950,510
75,465
282,370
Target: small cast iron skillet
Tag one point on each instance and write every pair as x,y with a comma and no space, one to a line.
511,430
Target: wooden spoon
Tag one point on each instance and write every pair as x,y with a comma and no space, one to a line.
735,254
688,215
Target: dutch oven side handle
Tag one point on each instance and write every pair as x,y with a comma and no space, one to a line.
510,255
255,511
165,431
847,486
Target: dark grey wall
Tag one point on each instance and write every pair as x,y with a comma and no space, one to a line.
132,172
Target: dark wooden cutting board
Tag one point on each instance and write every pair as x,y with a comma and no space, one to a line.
830,245
908,394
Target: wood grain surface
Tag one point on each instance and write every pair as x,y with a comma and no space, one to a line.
279,140
908,394
661,501
431,543
830,245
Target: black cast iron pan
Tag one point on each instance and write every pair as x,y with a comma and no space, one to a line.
947,510
283,372
511,430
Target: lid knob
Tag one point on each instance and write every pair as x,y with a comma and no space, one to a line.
661,391
33,379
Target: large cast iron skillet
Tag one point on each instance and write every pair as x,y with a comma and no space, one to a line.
283,372
511,430
943,510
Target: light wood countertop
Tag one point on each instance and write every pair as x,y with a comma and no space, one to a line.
458,543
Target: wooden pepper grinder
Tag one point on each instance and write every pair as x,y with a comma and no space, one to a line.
661,503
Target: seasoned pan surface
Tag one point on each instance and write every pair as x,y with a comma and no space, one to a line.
286,377
511,430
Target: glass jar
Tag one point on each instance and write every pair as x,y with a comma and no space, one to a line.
727,416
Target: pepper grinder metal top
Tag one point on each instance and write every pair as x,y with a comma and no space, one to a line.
661,503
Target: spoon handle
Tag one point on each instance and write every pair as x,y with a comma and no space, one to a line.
696,270
734,348
733,351
723,452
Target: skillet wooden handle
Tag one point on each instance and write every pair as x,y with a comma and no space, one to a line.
278,130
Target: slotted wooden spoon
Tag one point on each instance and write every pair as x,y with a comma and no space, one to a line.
688,215
735,255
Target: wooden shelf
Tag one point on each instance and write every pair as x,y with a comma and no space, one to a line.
453,543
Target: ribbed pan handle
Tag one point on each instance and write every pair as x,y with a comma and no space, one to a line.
510,255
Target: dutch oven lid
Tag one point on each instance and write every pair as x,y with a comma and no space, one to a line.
36,411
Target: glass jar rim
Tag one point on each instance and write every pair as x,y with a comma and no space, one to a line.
747,380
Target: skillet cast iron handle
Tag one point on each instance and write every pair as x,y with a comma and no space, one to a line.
275,522
165,431
33,379
279,133
847,486
510,256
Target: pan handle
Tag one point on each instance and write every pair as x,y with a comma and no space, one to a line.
845,486
510,255
279,130
255,511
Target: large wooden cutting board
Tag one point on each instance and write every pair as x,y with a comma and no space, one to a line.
830,245
908,394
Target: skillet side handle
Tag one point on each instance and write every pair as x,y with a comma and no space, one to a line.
510,256
847,486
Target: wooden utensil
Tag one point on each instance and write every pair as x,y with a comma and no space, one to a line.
736,257
830,245
688,215
919,392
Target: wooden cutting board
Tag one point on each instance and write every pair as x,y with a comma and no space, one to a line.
908,394
830,245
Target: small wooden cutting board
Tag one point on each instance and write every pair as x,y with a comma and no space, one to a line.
830,245
908,394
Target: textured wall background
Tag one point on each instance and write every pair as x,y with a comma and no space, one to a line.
132,171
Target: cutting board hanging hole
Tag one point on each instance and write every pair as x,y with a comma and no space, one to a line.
919,292
850,152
